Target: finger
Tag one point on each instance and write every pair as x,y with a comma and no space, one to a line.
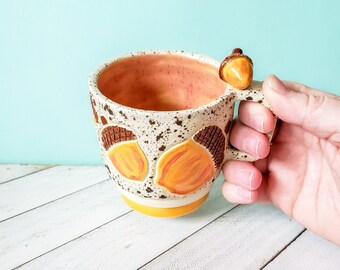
249,140
298,87
243,174
316,113
237,194
256,116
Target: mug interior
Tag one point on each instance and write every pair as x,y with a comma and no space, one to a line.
161,82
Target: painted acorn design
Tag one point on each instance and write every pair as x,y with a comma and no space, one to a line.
94,111
125,152
186,167
237,69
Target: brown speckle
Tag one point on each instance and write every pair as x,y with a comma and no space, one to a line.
93,102
123,114
158,137
103,119
178,122
94,110
107,167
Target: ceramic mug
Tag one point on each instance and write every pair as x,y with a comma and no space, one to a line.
163,120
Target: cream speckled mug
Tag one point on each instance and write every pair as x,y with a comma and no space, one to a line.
163,120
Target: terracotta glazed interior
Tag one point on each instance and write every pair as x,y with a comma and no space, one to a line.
160,82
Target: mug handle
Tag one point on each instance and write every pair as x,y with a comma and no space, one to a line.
253,93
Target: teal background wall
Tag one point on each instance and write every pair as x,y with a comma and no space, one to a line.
48,49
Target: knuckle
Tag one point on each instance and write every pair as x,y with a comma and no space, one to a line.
313,104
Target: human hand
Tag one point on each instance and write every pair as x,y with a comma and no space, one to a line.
301,173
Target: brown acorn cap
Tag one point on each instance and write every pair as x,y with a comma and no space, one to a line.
212,138
115,134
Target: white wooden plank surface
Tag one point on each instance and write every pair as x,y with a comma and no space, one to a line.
245,238
13,171
78,221
42,187
130,241
309,251
45,228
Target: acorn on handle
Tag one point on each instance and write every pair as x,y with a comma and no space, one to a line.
237,69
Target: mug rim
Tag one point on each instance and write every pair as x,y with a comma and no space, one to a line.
94,75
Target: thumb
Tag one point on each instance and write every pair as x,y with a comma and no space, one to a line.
315,111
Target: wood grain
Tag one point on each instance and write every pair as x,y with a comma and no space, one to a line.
72,218
9,172
309,251
245,238
52,225
40,188
132,240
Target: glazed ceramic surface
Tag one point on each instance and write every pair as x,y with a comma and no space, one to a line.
165,158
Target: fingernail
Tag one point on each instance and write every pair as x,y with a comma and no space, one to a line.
244,194
251,146
247,177
276,85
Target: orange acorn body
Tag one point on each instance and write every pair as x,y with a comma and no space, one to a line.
185,168
237,70
129,160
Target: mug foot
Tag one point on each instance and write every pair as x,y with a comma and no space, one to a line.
165,212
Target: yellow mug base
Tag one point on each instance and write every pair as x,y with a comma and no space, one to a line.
165,212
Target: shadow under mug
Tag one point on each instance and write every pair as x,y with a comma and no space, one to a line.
163,121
